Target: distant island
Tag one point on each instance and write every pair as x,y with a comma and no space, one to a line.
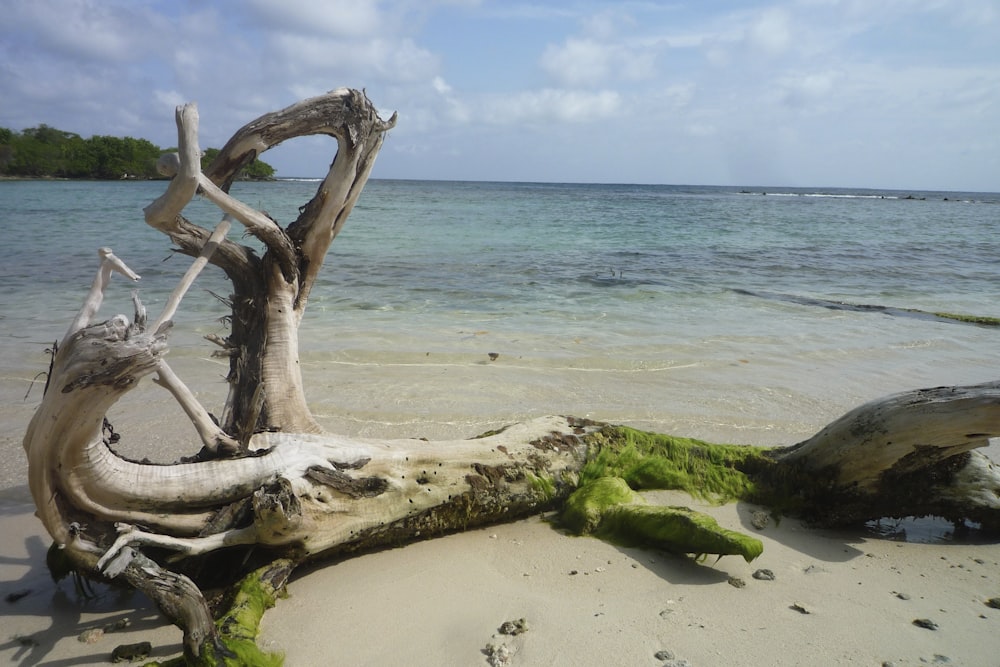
45,152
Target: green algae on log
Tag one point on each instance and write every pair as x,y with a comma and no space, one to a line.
718,473
607,508
622,460
240,624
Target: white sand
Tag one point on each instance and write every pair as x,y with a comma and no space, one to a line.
441,602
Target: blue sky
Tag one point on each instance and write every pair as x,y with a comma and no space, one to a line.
855,93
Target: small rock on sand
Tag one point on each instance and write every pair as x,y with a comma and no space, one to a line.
514,628
670,660
91,636
17,595
130,652
498,655
763,575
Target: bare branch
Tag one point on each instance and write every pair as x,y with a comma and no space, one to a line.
164,213
213,437
95,297
258,224
211,245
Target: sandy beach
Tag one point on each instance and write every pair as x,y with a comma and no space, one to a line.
835,599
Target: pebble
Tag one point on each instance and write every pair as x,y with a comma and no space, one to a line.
130,652
91,636
795,606
994,603
736,582
764,575
120,624
902,596
759,520
513,628
17,595
925,623
664,655
498,655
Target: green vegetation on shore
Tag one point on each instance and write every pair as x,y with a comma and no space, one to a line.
45,152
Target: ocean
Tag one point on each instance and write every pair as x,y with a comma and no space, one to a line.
733,314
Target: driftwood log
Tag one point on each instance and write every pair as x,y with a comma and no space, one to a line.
268,489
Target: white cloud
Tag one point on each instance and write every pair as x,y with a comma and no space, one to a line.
356,61
578,62
105,31
677,95
169,98
801,89
701,129
455,109
548,105
770,32
332,18
673,77
441,86
588,62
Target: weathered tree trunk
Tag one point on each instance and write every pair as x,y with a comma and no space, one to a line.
910,454
269,480
271,292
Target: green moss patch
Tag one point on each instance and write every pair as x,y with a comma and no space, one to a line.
676,529
608,508
718,473
240,625
586,507
541,484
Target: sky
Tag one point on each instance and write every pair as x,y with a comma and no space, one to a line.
901,94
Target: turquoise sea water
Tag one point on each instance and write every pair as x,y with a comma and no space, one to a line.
702,311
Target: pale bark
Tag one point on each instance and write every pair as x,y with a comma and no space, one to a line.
907,454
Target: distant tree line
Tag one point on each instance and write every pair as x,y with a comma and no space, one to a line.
44,151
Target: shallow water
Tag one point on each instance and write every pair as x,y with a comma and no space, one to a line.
689,310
